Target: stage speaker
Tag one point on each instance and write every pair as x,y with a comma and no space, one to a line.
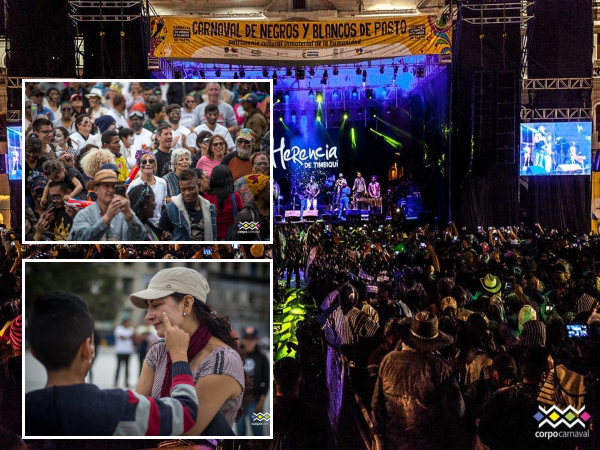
536,170
42,39
568,168
354,211
105,56
353,214
294,219
277,218
326,216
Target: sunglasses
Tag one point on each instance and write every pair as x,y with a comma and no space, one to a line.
244,143
66,109
148,162
56,197
218,144
86,122
206,141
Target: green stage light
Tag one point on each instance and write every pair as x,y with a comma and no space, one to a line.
346,115
319,116
319,97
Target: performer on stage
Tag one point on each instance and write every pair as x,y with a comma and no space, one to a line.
312,191
561,147
375,191
541,140
526,156
343,199
16,164
573,154
337,188
359,188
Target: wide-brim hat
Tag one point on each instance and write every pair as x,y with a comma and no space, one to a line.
491,283
424,334
103,176
95,92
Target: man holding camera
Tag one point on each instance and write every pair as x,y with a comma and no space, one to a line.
111,217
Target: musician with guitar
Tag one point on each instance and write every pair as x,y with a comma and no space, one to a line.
312,191
337,190
542,146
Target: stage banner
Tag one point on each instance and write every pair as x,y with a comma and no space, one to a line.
596,202
300,152
187,38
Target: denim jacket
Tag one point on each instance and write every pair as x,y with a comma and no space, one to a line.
181,222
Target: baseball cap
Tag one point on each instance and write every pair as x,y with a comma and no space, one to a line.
169,281
109,166
136,113
250,332
36,92
251,97
40,183
74,96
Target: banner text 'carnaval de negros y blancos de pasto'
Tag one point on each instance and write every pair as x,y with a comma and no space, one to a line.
187,38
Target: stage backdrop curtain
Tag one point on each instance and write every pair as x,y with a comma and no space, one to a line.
561,202
491,199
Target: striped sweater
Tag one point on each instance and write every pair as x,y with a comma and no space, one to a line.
86,410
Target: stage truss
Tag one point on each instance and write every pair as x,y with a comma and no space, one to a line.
544,114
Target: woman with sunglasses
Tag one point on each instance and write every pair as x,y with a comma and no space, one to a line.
201,147
261,165
67,120
83,125
146,162
217,147
96,109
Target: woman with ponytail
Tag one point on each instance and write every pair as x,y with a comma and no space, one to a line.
216,361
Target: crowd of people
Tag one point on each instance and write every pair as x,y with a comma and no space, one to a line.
148,251
102,165
10,337
438,338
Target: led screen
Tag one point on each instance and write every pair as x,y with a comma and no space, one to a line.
556,148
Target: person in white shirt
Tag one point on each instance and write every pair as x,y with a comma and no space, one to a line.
96,109
126,138
187,112
141,136
212,114
225,116
118,111
83,125
180,133
124,348
146,161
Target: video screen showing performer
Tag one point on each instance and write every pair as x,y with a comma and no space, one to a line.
555,148
15,164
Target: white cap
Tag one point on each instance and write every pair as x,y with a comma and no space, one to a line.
168,281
